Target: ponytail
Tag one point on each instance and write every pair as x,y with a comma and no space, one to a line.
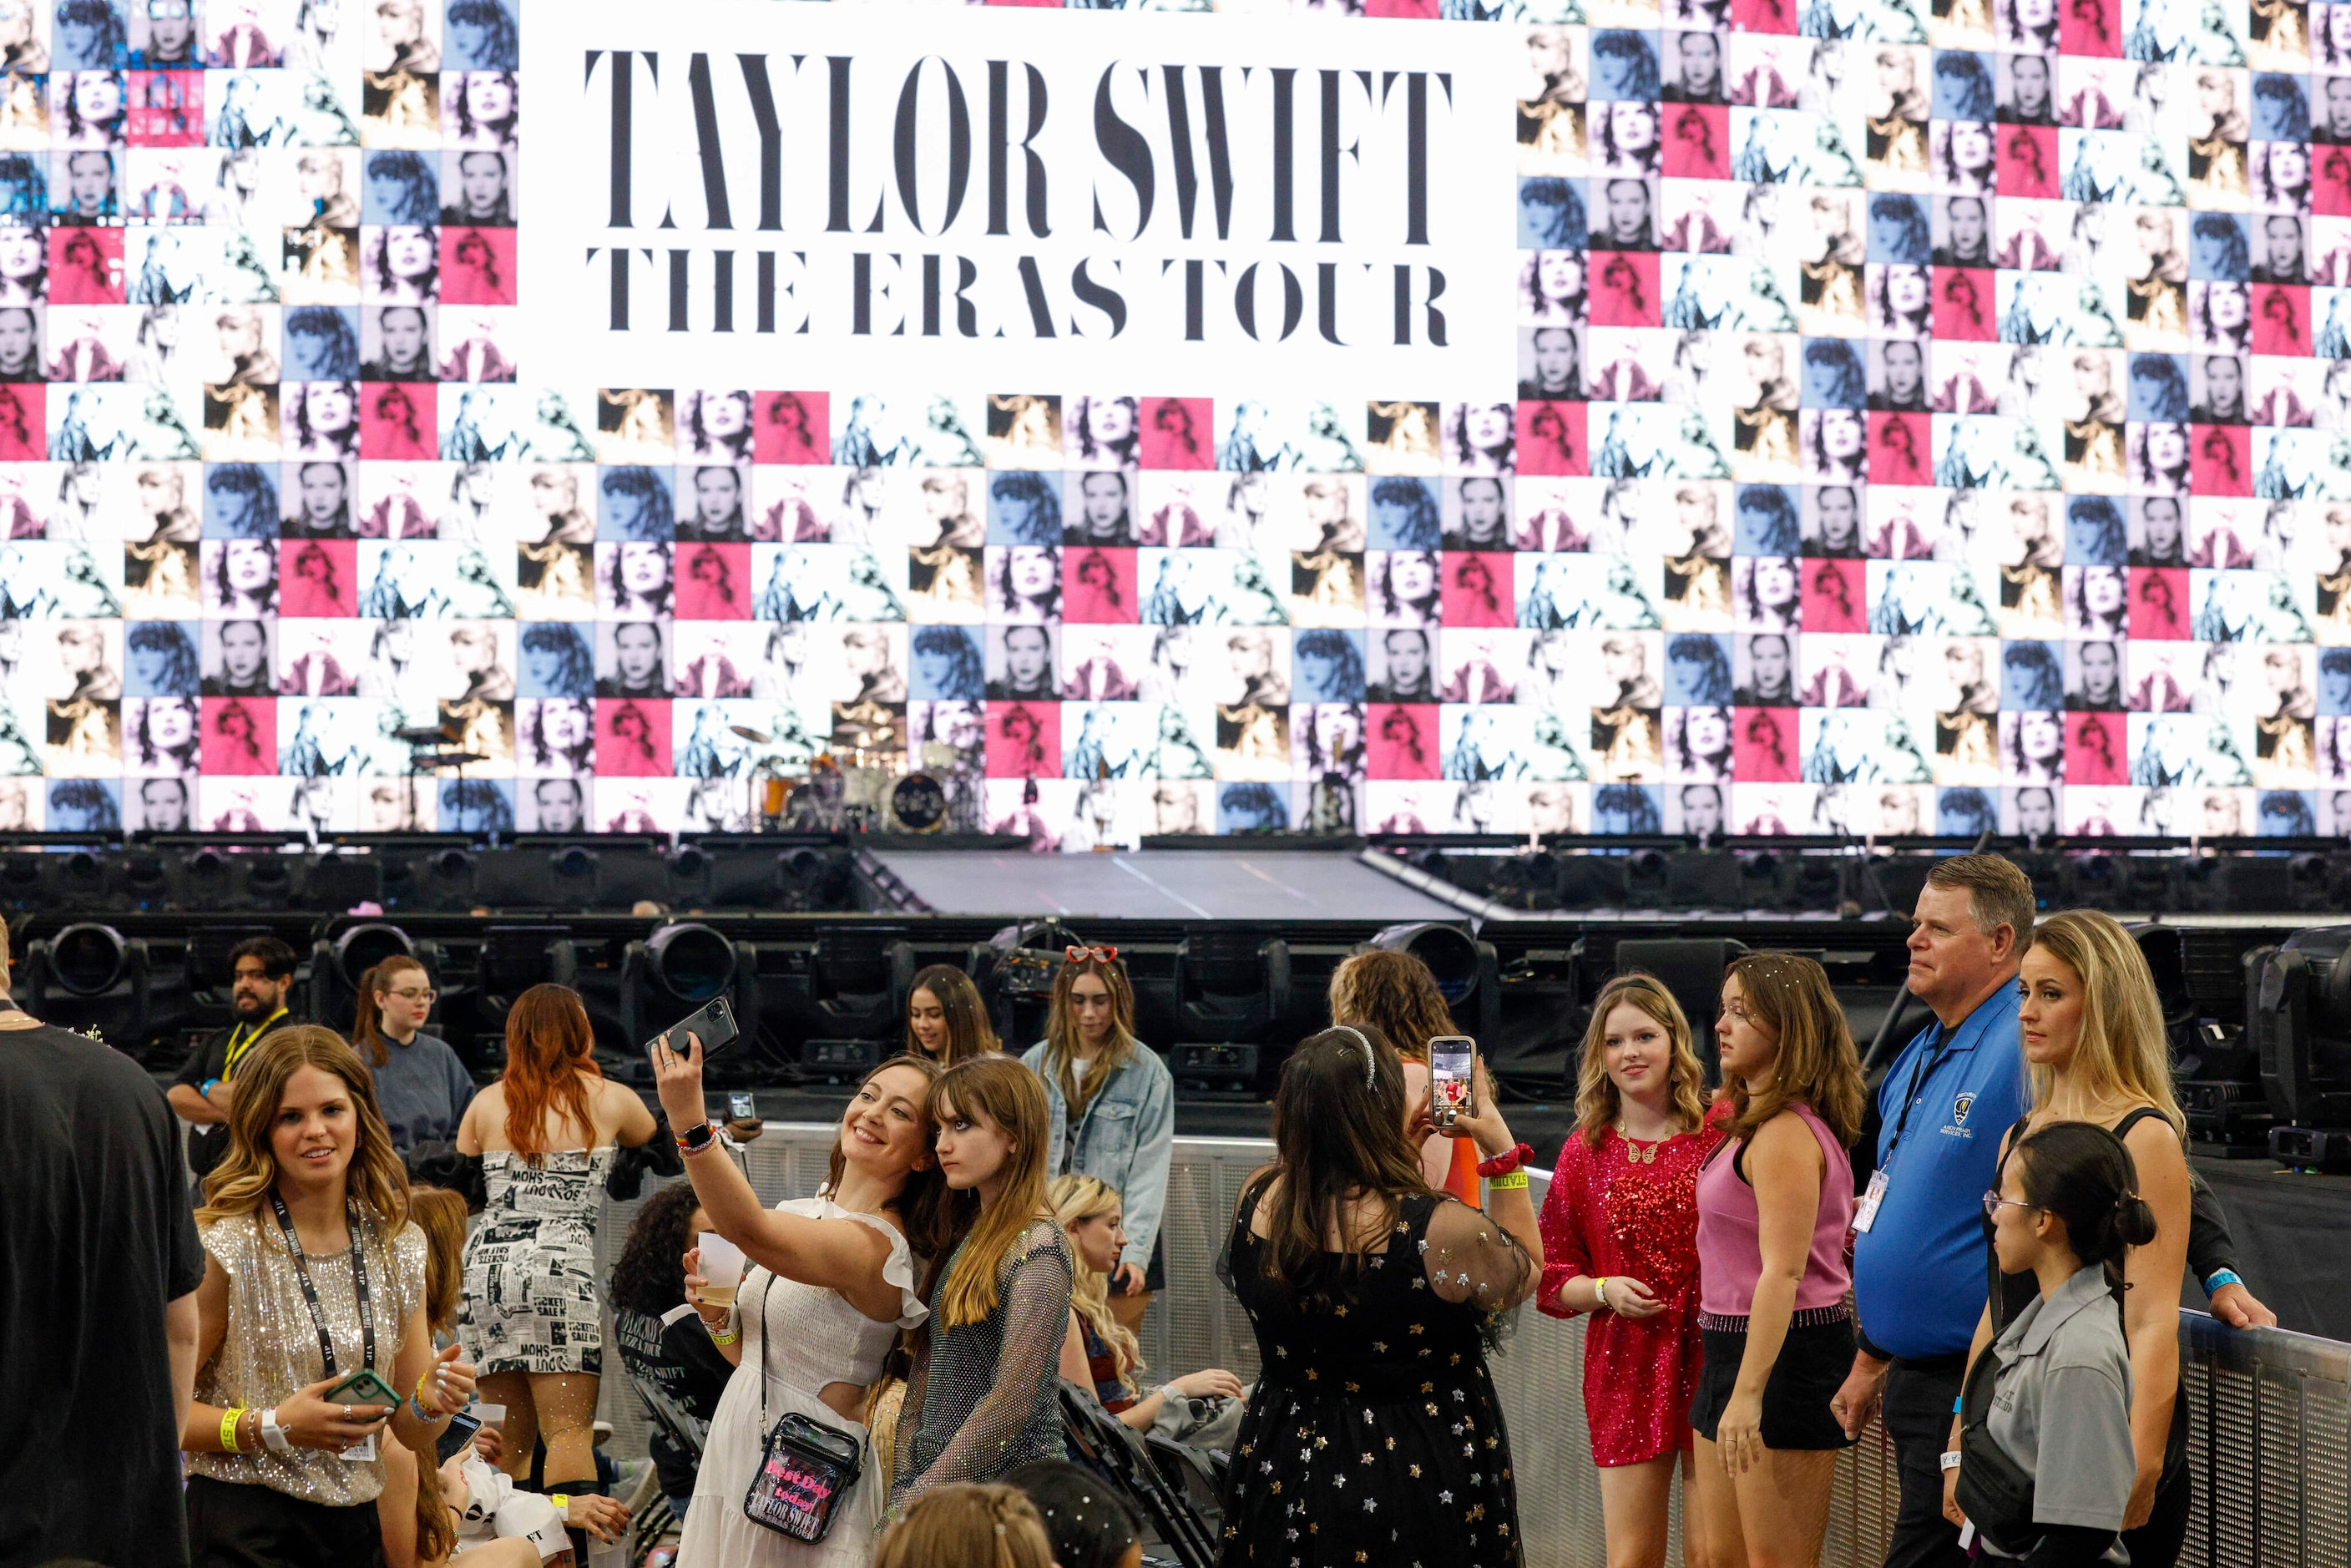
2081,1172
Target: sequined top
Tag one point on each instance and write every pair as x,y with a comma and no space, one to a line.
1608,1215
271,1350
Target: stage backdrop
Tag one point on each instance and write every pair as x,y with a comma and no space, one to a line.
1781,415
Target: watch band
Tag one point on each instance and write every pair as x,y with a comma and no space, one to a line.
693,1139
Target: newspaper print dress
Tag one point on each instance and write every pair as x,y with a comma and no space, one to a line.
530,1265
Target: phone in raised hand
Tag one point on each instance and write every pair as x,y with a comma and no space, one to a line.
1452,1079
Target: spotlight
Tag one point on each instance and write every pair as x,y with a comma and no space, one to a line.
693,962
1450,953
362,947
2298,1019
87,959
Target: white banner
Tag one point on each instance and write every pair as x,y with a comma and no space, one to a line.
738,190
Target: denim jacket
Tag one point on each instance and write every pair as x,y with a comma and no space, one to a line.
1125,1140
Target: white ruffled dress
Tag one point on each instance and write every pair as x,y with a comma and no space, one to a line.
805,1337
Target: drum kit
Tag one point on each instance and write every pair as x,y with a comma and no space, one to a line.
863,791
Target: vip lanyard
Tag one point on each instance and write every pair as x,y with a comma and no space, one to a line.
311,1292
236,1051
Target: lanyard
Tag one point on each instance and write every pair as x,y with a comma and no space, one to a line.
236,1049
1920,1074
311,1292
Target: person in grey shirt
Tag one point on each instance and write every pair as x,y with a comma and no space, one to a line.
2060,1395
420,1084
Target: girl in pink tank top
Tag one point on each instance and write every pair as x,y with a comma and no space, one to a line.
1775,1204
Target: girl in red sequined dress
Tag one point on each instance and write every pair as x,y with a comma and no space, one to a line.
1620,1241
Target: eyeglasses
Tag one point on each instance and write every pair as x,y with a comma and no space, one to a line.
1994,1203
1099,955
412,995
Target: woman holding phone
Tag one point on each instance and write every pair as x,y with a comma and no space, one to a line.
547,1132
313,1274
817,1315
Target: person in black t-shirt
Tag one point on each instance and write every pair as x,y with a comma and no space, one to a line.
263,971
98,1269
677,1372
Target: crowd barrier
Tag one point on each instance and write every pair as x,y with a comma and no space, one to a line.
2271,1411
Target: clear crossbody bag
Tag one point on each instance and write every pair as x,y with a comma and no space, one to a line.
805,1472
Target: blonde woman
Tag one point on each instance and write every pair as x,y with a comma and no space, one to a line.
2095,1051
968,1527
1100,1352
313,1271
1619,1228
1112,1110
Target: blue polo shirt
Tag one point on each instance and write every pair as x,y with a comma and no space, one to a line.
1918,1272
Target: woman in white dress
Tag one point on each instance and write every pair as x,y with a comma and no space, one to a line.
819,1312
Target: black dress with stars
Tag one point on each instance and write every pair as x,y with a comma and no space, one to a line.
1374,1435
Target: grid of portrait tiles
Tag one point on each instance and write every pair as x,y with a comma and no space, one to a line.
1928,417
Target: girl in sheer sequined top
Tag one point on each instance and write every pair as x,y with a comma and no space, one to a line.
985,1396
313,1271
1620,1241
1375,1434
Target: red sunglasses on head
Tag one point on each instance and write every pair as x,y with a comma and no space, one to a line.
1100,955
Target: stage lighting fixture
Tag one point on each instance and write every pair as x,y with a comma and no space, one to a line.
1226,1068
362,947
2202,974
840,1060
2298,1019
1706,879
678,968
1230,982
692,961
1467,971
1589,880
87,977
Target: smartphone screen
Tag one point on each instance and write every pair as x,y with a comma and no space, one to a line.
457,1436
741,1108
1452,1068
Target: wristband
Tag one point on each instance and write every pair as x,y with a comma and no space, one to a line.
1956,1403
210,1084
229,1420
1514,1182
1951,1458
562,1502
2219,1278
1600,1294
273,1436
1506,1162
693,1139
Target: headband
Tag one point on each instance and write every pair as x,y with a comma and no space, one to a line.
1371,1060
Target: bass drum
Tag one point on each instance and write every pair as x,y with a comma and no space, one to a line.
918,804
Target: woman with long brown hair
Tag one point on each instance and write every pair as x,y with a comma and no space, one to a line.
1396,994
945,1019
419,1081
314,1271
1620,1241
984,1398
831,1283
1111,1105
547,1132
1374,1300
1775,1313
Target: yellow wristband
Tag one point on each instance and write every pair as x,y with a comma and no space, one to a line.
229,1420
1506,1183
1600,1292
562,1502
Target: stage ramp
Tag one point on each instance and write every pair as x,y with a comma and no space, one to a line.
1145,885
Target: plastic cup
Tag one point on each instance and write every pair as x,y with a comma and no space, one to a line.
489,1415
722,1268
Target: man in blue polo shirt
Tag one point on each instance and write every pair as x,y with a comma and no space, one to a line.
1919,1258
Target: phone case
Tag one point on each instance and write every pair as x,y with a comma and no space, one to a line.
362,1388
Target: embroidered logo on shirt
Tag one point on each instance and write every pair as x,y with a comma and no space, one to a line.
1961,1107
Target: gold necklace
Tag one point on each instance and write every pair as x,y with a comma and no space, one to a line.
1635,1154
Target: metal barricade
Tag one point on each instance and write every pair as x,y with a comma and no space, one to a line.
2271,1411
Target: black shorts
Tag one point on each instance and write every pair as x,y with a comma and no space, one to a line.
1814,1361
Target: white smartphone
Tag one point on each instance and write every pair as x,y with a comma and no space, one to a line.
1452,1076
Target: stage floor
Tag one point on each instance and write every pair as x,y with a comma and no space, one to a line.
1160,884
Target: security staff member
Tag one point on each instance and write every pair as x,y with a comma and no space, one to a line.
263,971
1919,1258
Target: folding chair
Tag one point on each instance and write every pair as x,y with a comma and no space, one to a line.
1108,1446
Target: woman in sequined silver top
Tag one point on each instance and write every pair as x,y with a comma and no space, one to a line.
313,1271
985,1396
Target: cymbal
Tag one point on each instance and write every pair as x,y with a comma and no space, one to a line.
439,759
423,735
744,732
